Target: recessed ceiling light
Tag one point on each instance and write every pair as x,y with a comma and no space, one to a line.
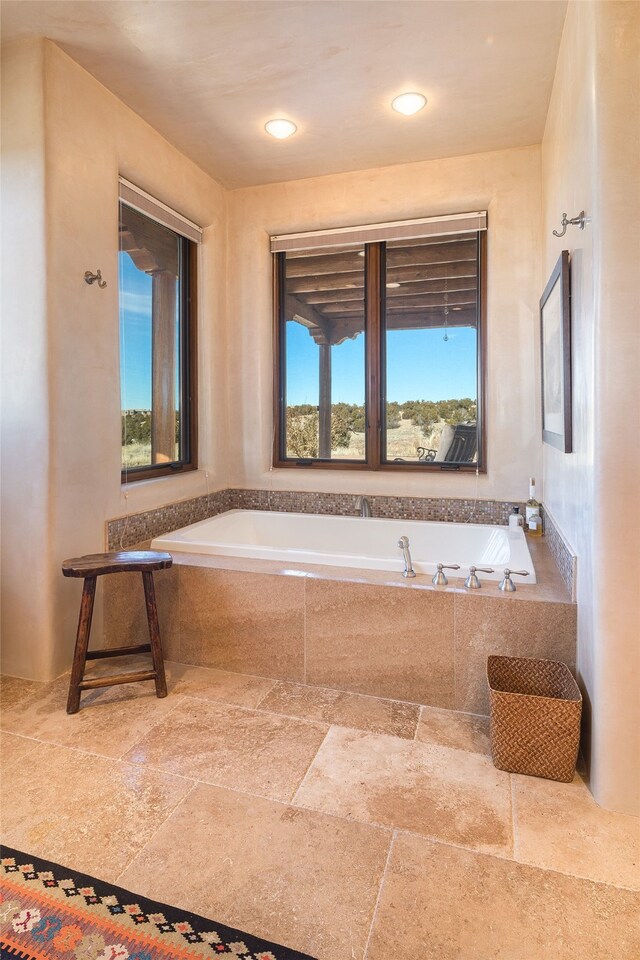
392,286
280,129
408,103
456,308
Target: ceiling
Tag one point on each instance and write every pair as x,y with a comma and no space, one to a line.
208,74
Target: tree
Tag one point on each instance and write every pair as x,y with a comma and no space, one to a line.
136,426
422,413
394,415
340,427
302,434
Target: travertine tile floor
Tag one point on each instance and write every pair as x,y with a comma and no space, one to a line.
345,826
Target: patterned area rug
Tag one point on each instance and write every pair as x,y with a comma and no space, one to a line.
49,912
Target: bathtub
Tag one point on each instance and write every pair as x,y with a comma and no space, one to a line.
368,543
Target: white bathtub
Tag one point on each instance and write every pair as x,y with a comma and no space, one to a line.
367,543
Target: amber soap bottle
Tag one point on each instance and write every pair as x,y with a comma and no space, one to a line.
533,517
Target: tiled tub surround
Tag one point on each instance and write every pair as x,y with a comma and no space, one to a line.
367,632
562,553
125,532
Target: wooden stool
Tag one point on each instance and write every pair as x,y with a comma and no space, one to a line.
99,565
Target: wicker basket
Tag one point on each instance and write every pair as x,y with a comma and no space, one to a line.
535,710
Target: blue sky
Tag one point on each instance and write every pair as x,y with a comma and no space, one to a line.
135,337
421,366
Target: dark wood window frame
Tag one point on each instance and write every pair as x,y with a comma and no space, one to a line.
375,373
188,374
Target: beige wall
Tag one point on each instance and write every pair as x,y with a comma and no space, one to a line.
591,161
26,431
62,446
507,184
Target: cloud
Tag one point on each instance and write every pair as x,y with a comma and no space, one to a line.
136,304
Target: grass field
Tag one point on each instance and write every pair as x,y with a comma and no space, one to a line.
402,441
136,455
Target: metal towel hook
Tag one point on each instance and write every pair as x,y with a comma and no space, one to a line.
92,277
579,221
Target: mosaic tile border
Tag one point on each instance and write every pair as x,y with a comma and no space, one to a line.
125,532
397,508
565,558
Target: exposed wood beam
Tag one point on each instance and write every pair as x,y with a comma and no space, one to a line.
145,261
349,330
355,278
437,271
431,288
338,281
324,295
436,253
335,332
418,321
401,307
435,300
412,319
295,307
350,261
320,328
139,234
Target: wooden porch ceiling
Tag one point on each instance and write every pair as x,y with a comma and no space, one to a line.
152,248
325,290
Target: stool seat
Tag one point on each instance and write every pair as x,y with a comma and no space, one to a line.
122,561
98,565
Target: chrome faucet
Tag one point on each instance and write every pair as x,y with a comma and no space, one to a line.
363,505
408,571
507,585
473,581
439,579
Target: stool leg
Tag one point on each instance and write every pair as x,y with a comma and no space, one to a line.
154,633
82,642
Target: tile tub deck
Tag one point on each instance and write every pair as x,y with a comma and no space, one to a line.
367,632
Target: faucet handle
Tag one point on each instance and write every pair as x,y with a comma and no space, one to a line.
472,581
507,585
439,579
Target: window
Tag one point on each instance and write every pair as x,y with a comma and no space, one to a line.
380,346
157,272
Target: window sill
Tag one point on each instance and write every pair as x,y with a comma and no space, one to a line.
157,473
422,467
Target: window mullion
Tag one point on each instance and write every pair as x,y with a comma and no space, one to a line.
279,400
373,281
481,358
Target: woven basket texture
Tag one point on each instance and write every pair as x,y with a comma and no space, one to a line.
535,708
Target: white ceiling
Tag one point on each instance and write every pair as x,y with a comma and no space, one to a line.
209,73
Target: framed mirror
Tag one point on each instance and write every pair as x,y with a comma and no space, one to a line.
555,337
